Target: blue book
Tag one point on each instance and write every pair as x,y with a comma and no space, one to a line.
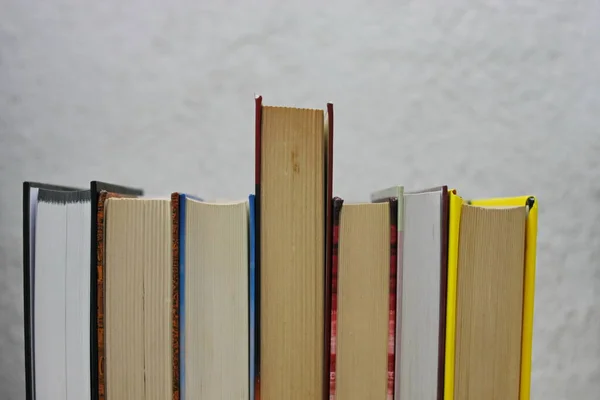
178,201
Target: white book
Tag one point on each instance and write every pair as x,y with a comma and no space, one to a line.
59,268
214,299
420,361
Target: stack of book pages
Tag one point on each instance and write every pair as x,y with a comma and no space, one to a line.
287,293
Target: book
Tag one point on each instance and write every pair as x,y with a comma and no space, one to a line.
177,291
454,210
423,295
253,337
292,206
59,300
493,243
289,293
363,300
395,193
100,191
137,298
55,260
214,299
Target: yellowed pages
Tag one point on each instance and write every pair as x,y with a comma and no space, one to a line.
138,299
489,303
529,289
292,245
216,301
363,301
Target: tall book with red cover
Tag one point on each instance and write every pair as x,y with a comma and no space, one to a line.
294,186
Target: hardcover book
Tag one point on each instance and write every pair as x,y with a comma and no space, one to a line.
363,312
137,298
100,192
492,252
31,199
60,289
293,221
213,298
424,283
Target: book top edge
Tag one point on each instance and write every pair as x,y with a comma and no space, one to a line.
64,197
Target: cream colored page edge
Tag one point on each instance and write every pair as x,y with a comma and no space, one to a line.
529,284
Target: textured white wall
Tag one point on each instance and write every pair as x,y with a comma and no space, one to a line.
493,97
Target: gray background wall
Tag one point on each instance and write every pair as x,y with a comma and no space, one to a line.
491,97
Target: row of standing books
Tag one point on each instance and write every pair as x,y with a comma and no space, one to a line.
289,293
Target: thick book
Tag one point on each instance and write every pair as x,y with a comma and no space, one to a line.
293,224
363,300
137,298
492,252
59,226
100,191
31,193
214,327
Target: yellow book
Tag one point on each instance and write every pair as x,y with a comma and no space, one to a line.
456,203
454,210
529,283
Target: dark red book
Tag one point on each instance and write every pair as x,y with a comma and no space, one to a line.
175,279
337,208
393,293
300,166
356,268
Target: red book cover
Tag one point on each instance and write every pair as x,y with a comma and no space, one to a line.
329,218
175,292
102,196
336,209
392,304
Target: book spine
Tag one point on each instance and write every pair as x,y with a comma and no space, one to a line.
28,247
328,248
392,298
175,293
102,196
252,338
181,281
399,286
337,208
257,244
443,292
